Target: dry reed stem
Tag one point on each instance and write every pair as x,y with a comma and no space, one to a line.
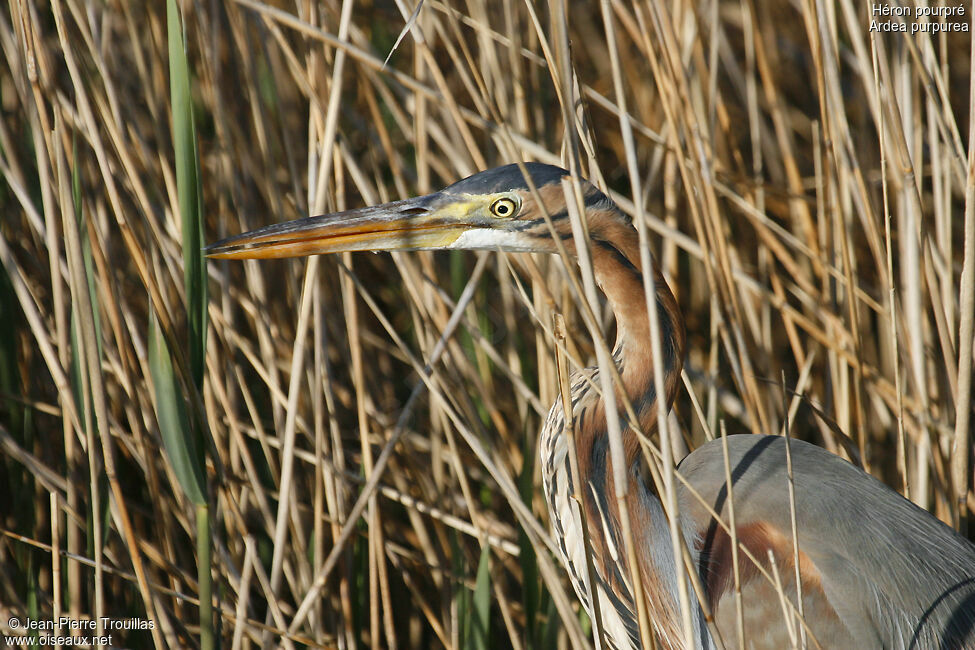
805,185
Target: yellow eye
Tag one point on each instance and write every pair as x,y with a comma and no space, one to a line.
503,208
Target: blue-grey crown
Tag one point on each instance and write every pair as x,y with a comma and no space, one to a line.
507,178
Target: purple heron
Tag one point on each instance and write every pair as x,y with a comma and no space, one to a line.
875,571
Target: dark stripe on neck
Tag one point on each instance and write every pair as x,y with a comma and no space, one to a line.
594,199
618,255
666,326
540,221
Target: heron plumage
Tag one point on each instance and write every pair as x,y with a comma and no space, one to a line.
895,576
875,570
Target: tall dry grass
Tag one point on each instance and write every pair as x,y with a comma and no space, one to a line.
368,423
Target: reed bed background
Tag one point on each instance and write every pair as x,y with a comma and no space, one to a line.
340,452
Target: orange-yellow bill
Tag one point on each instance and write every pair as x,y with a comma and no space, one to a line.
434,221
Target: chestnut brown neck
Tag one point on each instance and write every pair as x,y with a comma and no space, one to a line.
619,272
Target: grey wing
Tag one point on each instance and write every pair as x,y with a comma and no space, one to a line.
891,573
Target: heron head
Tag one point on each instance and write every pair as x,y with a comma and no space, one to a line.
491,210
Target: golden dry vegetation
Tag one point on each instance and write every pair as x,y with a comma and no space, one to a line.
807,185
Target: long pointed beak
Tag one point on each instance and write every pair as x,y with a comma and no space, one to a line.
433,221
